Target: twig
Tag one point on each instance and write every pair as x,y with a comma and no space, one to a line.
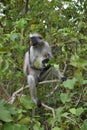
73,121
52,109
3,92
80,97
49,81
78,100
65,67
51,93
13,97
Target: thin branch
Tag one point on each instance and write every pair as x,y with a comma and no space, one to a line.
80,97
4,92
13,97
78,100
52,109
49,81
51,93
73,121
65,67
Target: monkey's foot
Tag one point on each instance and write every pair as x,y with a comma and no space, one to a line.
63,79
39,103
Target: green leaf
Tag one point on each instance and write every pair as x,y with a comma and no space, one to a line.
64,97
75,40
56,128
27,102
79,111
21,23
78,76
9,126
76,61
84,125
59,113
69,83
13,36
56,66
2,102
11,109
24,121
37,126
84,81
5,115
81,24
73,111
65,114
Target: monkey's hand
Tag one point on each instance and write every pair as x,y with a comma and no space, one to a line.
63,79
45,62
41,63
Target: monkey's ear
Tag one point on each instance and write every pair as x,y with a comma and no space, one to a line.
35,35
30,35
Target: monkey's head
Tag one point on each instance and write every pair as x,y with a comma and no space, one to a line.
35,39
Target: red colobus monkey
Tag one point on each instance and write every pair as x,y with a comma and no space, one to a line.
35,64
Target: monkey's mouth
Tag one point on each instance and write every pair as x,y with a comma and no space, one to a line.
34,41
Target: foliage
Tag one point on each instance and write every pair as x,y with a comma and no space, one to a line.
63,23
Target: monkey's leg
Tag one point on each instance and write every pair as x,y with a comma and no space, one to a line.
44,74
33,90
58,74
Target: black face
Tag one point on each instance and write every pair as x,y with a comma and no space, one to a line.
35,40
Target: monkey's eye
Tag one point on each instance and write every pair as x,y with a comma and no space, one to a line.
40,37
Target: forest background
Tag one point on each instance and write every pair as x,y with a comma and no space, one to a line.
63,23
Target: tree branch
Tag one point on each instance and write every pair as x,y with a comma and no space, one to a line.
52,109
3,92
80,97
73,121
49,81
13,97
51,93
65,67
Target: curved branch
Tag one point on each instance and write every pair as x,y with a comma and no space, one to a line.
13,97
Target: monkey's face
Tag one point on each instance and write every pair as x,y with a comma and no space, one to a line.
34,41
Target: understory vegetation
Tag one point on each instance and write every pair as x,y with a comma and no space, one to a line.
63,23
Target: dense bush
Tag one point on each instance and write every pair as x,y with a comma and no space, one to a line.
64,25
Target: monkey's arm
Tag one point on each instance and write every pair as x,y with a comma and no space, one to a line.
48,51
26,64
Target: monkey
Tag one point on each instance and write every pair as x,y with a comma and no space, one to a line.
36,66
